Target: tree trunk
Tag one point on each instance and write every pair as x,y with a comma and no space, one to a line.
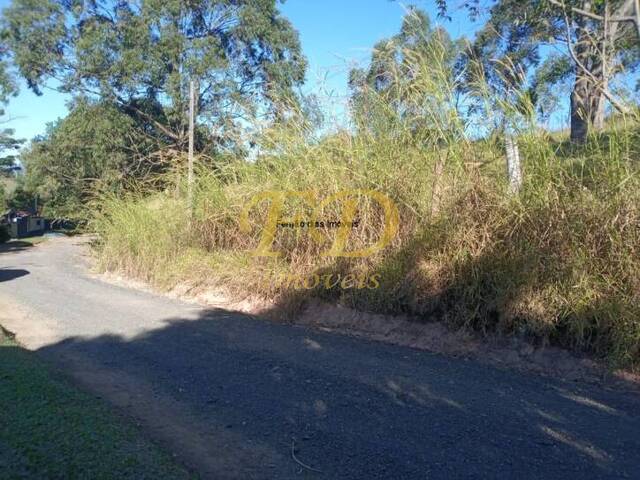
579,117
587,110
598,118
587,102
587,98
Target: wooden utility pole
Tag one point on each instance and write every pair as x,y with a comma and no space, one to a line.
192,113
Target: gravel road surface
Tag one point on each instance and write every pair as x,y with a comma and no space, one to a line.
237,397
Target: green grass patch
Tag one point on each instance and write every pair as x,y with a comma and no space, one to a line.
49,429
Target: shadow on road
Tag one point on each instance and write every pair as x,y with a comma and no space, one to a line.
236,397
14,246
7,274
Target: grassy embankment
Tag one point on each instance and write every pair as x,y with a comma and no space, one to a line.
558,262
49,429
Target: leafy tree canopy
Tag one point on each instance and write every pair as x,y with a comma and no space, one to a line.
8,144
409,75
96,147
142,54
591,46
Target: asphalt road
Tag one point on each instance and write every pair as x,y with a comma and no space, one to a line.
237,397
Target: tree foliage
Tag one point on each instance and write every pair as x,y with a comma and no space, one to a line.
8,147
591,47
96,147
8,143
406,77
141,55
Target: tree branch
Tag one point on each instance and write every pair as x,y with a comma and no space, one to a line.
635,18
580,11
616,104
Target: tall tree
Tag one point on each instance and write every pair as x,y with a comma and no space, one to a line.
408,78
597,40
8,88
8,148
96,147
141,55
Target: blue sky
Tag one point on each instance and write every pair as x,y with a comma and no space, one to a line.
335,34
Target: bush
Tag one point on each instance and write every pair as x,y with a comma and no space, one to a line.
4,233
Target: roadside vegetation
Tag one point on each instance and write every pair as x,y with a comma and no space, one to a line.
49,429
505,225
557,262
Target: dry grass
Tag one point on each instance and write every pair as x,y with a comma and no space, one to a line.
559,262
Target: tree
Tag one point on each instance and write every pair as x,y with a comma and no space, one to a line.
598,40
142,54
21,198
8,145
8,88
97,147
602,41
409,79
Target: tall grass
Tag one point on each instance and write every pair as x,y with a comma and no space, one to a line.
558,262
